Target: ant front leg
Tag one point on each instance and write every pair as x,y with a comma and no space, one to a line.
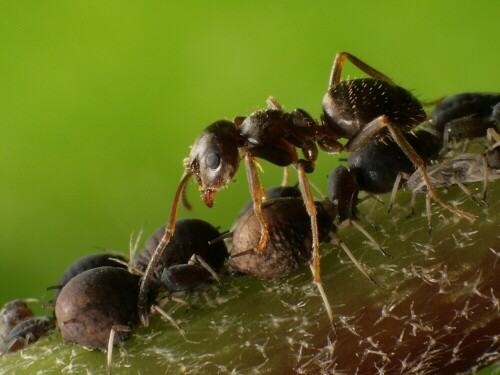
338,64
258,196
155,259
305,189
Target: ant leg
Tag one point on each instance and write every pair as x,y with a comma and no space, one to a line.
112,333
305,189
272,103
379,123
419,163
258,196
153,262
338,63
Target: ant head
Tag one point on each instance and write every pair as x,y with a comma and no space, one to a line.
214,158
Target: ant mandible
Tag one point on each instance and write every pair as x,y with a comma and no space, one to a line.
357,110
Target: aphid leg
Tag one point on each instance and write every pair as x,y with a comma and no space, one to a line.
358,265
169,231
338,63
395,189
206,266
485,178
413,202
428,210
133,246
258,196
168,317
305,189
363,231
112,333
456,179
493,138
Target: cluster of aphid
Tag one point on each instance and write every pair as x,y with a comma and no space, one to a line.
391,140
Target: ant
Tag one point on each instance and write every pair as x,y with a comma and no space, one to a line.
357,110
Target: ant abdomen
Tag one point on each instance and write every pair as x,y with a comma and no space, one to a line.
349,105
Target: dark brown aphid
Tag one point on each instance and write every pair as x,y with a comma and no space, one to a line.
94,301
290,244
98,308
273,193
184,277
18,326
191,237
86,263
461,170
378,165
466,116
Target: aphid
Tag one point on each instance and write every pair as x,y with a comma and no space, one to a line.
184,277
380,167
290,244
191,237
83,264
462,169
466,116
272,193
98,308
27,331
357,110
18,326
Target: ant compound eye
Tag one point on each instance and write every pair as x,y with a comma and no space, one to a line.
213,160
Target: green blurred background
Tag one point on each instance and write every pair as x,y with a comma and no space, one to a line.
100,100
